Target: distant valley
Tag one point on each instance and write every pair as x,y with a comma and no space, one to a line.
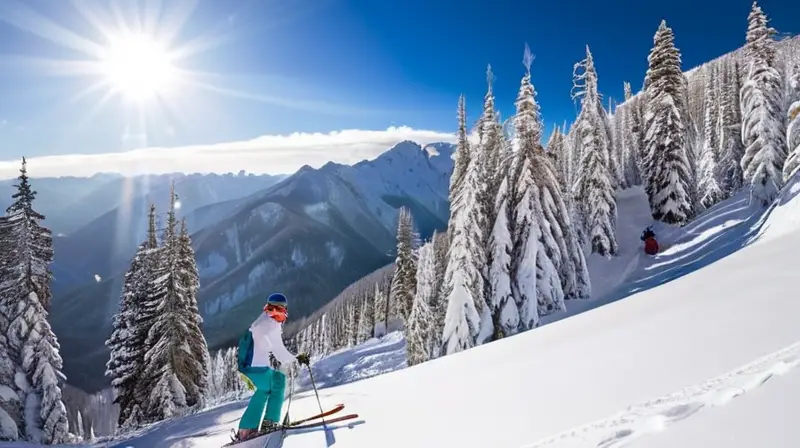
308,234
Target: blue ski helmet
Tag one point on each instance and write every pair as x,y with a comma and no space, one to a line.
277,298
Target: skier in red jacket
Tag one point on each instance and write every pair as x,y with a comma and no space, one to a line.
650,243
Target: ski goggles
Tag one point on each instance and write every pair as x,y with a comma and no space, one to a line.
277,312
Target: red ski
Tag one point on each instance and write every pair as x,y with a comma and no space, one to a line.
320,423
332,411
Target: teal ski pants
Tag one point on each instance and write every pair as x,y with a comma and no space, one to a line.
270,386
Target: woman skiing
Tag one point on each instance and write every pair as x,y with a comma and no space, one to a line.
261,358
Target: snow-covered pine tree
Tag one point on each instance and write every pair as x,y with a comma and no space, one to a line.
668,172
421,319
708,185
571,152
461,160
614,149
349,314
626,89
694,142
404,281
526,244
129,337
619,144
763,132
338,328
629,149
126,352
166,357
366,321
379,307
636,135
556,148
629,156
593,191
32,348
441,246
355,318
463,286
526,213
731,147
505,313
194,374
324,336
493,151
793,129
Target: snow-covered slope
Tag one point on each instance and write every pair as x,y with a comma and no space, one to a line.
704,352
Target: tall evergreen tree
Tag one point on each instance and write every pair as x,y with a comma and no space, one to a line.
709,190
526,242
31,365
404,280
463,286
763,132
166,361
557,149
194,375
630,157
441,246
366,323
593,190
129,331
380,306
421,319
731,148
669,175
493,151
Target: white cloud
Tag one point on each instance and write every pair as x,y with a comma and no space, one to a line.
273,154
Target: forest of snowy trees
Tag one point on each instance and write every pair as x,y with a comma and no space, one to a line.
525,217
160,365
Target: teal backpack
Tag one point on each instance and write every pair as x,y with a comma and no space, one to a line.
245,351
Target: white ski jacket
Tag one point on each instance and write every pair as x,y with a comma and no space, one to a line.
267,341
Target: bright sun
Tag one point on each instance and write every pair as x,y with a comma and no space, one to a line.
137,67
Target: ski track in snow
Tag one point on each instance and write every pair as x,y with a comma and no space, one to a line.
656,415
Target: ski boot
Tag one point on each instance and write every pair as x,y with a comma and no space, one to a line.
268,426
242,435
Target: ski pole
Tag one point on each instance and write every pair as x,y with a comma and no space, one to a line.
311,376
328,433
292,373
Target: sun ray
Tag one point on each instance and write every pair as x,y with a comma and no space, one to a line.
174,20
294,103
51,67
152,15
26,19
96,18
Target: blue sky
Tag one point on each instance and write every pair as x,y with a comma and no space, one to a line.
278,67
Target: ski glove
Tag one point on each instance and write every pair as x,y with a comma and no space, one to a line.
303,358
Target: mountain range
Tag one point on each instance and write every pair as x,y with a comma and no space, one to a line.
308,234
